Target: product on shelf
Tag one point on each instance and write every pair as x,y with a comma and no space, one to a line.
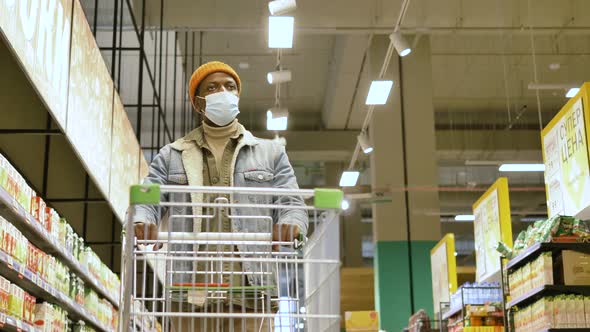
562,311
4,295
557,228
50,318
575,267
81,327
532,275
29,308
91,301
38,209
16,304
476,293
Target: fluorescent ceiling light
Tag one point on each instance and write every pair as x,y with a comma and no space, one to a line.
277,119
280,7
522,168
349,178
345,205
379,92
280,31
400,43
572,92
464,217
281,76
364,142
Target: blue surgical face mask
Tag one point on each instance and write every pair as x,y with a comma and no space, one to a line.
221,107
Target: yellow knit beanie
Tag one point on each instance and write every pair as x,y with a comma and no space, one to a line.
208,69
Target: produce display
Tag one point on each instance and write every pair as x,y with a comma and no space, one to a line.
534,274
558,228
562,311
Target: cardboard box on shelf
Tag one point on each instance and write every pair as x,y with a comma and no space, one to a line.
361,321
575,268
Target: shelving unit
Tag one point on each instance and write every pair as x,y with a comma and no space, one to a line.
536,249
18,274
11,324
547,290
37,235
529,298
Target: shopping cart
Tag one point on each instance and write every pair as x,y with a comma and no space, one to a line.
216,279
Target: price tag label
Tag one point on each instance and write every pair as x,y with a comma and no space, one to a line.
15,204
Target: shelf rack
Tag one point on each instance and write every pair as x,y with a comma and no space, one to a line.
36,234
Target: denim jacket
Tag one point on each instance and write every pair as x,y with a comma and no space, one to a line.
256,163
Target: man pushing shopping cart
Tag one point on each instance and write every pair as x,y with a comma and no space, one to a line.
219,222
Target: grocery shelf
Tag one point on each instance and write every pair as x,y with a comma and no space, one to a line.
537,248
24,278
538,292
36,234
566,330
9,323
451,313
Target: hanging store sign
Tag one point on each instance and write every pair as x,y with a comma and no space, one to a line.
38,32
90,102
492,224
125,157
443,265
565,154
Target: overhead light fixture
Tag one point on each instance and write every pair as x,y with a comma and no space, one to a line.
277,119
572,92
400,43
379,92
363,139
465,217
281,76
280,31
349,178
522,168
345,205
281,7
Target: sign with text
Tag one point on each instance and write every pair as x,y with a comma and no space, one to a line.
39,34
443,265
492,224
565,154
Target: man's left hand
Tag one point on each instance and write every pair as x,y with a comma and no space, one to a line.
284,233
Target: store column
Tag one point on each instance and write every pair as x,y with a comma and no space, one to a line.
404,164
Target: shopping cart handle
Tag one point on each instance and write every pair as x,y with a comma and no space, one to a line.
211,236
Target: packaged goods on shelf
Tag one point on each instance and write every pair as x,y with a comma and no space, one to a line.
575,268
62,232
562,311
4,295
555,228
29,308
81,327
50,318
17,299
91,301
38,209
532,275
77,289
476,293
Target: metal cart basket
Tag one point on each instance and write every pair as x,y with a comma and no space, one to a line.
231,274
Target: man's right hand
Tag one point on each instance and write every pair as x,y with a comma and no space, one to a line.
145,231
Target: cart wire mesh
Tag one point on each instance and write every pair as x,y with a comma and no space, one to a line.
219,264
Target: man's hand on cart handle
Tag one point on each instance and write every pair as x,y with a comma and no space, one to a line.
151,233
284,233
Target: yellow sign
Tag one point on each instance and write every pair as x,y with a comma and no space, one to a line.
565,153
361,321
443,265
492,224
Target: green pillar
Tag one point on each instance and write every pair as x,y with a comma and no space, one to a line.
404,164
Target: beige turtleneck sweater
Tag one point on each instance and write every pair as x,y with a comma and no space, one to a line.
217,138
